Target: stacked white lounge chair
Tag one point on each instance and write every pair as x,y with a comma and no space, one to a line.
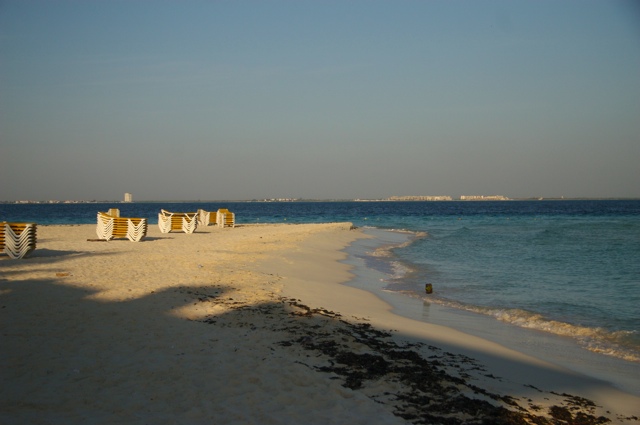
204,218
111,225
182,222
17,240
225,218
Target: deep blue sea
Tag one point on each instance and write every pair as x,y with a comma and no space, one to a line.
568,268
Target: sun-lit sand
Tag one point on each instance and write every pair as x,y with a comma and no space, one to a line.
248,325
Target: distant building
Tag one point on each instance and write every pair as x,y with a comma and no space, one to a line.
128,197
483,198
420,198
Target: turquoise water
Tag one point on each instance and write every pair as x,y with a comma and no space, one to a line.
568,268
577,277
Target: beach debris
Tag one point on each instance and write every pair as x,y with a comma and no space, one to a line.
429,385
428,288
63,274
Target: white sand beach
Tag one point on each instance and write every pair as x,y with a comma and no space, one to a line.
250,325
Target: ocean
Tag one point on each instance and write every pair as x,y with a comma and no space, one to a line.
557,278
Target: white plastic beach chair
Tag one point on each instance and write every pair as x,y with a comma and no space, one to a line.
182,222
17,240
110,227
225,218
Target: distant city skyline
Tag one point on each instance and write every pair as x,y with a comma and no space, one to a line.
319,100
417,198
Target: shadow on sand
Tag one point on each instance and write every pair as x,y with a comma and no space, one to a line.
65,360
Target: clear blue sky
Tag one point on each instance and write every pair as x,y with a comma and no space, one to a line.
181,100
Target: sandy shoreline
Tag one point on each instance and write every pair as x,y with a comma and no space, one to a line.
556,349
249,325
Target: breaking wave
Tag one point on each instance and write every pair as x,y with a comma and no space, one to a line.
621,344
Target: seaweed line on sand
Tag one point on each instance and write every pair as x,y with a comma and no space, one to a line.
417,382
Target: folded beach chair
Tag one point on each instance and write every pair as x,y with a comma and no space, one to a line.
225,218
204,218
17,240
181,222
113,226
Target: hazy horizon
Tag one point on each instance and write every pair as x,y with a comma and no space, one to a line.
319,100
285,200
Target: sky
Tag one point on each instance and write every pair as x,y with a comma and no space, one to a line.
239,100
